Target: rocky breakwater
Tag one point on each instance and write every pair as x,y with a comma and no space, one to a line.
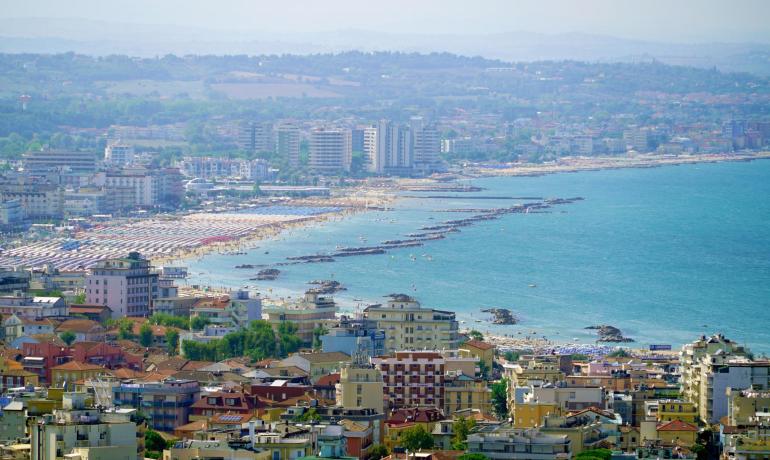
502,316
609,333
327,286
268,274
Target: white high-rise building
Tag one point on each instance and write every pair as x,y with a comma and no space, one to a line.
118,154
376,162
330,150
287,142
427,145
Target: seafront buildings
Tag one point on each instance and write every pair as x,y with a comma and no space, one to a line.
409,326
330,150
309,313
127,286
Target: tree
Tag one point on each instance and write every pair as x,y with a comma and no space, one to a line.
511,356
700,451
500,399
378,451
163,319
473,456
153,441
310,415
462,428
125,329
80,298
197,323
145,335
288,339
416,438
620,353
68,337
594,454
317,333
476,335
172,341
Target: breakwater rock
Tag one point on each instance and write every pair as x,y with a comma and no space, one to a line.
327,286
268,274
609,333
501,316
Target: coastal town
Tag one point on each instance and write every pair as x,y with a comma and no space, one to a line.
352,255
135,366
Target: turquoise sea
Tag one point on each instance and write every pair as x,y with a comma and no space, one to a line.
665,254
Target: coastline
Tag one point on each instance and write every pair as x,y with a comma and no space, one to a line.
350,201
578,164
293,284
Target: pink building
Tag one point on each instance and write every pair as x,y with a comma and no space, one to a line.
127,285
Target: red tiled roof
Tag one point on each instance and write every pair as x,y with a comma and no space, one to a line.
479,344
677,425
77,366
328,380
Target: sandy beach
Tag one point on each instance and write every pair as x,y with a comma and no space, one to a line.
576,164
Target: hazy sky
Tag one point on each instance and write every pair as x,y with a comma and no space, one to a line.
657,20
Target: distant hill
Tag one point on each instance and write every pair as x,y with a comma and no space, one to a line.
45,35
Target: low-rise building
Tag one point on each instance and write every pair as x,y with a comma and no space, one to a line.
463,392
77,432
166,404
503,443
32,307
354,336
317,364
313,312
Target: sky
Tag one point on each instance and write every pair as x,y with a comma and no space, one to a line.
684,21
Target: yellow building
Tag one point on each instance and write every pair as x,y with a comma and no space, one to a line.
70,372
409,326
403,419
464,392
676,409
360,387
743,406
317,364
482,351
751,445
531,414
535,371
309,313
629,438
678,432
195,449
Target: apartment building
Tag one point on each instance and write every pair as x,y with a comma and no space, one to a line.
166,404
127,285
287,142
330,150
360,387
413,378
75,431
313,311
409,326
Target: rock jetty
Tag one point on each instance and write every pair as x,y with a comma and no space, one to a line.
501,316
268,274
327,286
609,333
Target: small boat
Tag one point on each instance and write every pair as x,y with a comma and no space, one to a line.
533,285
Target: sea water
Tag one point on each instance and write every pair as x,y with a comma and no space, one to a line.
665,254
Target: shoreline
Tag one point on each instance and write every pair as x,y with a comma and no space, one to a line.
580,164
